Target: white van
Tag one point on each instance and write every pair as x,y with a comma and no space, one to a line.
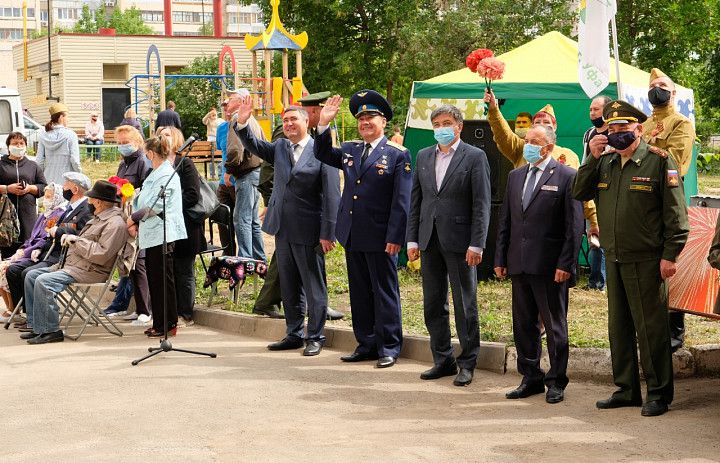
11,115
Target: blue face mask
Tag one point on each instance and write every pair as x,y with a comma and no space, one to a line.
444,135
126,149
531,153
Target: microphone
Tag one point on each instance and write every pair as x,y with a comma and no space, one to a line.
188,143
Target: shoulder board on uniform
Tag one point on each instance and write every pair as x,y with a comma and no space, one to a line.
396,145
660,152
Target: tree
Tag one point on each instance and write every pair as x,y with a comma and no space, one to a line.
195,97
125,22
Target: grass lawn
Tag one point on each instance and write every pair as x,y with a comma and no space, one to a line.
587,317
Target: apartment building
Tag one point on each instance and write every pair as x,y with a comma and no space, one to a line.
188,17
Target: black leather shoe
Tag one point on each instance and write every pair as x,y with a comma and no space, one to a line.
272,312
439,371
464,378
286,344
555,394
385,362
359,357
312,348
654,408
28,335
525,390
333,314
25,329
614,402
55,336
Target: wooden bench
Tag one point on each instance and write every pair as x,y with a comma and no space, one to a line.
206,153
108,148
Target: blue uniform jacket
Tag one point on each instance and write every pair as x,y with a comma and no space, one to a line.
376,198
304,202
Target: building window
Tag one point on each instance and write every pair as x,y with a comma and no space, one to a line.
66,13
31,12
11,34
6,125
113,71
43,15
38,86
152,16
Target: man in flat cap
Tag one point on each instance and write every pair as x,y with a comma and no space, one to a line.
71,222
269,298
671,131
641,209
90,259
371,222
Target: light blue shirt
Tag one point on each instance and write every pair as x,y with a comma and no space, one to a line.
150,230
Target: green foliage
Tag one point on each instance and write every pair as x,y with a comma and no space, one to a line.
708,163
195,97
125,22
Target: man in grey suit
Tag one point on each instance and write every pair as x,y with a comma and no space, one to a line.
448,223
301,214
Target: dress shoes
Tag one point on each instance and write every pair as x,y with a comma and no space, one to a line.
555,394
614,402
287,343
464,378
385,362
25,329
654,408
271,312
525,390
359,357
28,335
312,348
55,336
333,314
439,371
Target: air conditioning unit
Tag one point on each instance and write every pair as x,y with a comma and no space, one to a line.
110,3
43,23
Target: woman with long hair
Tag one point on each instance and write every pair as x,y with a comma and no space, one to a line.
58,150
147,225
185,250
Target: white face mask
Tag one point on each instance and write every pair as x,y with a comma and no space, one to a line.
17,151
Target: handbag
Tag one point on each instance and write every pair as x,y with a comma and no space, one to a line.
9,223
206,205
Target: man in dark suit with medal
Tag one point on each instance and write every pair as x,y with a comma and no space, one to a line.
371,222
538,240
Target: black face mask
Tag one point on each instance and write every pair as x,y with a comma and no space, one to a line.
67,194
91,208
659,96
621,140
598,122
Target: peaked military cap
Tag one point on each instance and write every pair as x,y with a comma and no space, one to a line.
370,101
622,112
314,99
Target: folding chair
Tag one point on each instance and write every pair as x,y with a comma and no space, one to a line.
78,300
222,220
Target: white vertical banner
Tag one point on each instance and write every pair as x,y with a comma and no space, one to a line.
594,44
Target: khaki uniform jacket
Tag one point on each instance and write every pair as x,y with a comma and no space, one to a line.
92,256
511,146
671,131
641,206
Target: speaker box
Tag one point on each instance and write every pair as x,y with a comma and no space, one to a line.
478,133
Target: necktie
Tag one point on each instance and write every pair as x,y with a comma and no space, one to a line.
365,153
529,187
67,213
292,155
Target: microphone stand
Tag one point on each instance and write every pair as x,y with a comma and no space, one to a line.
165,344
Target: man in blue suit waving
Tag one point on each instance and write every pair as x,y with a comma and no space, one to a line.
301,215
371,222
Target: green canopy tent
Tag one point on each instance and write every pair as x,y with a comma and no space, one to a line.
544,70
